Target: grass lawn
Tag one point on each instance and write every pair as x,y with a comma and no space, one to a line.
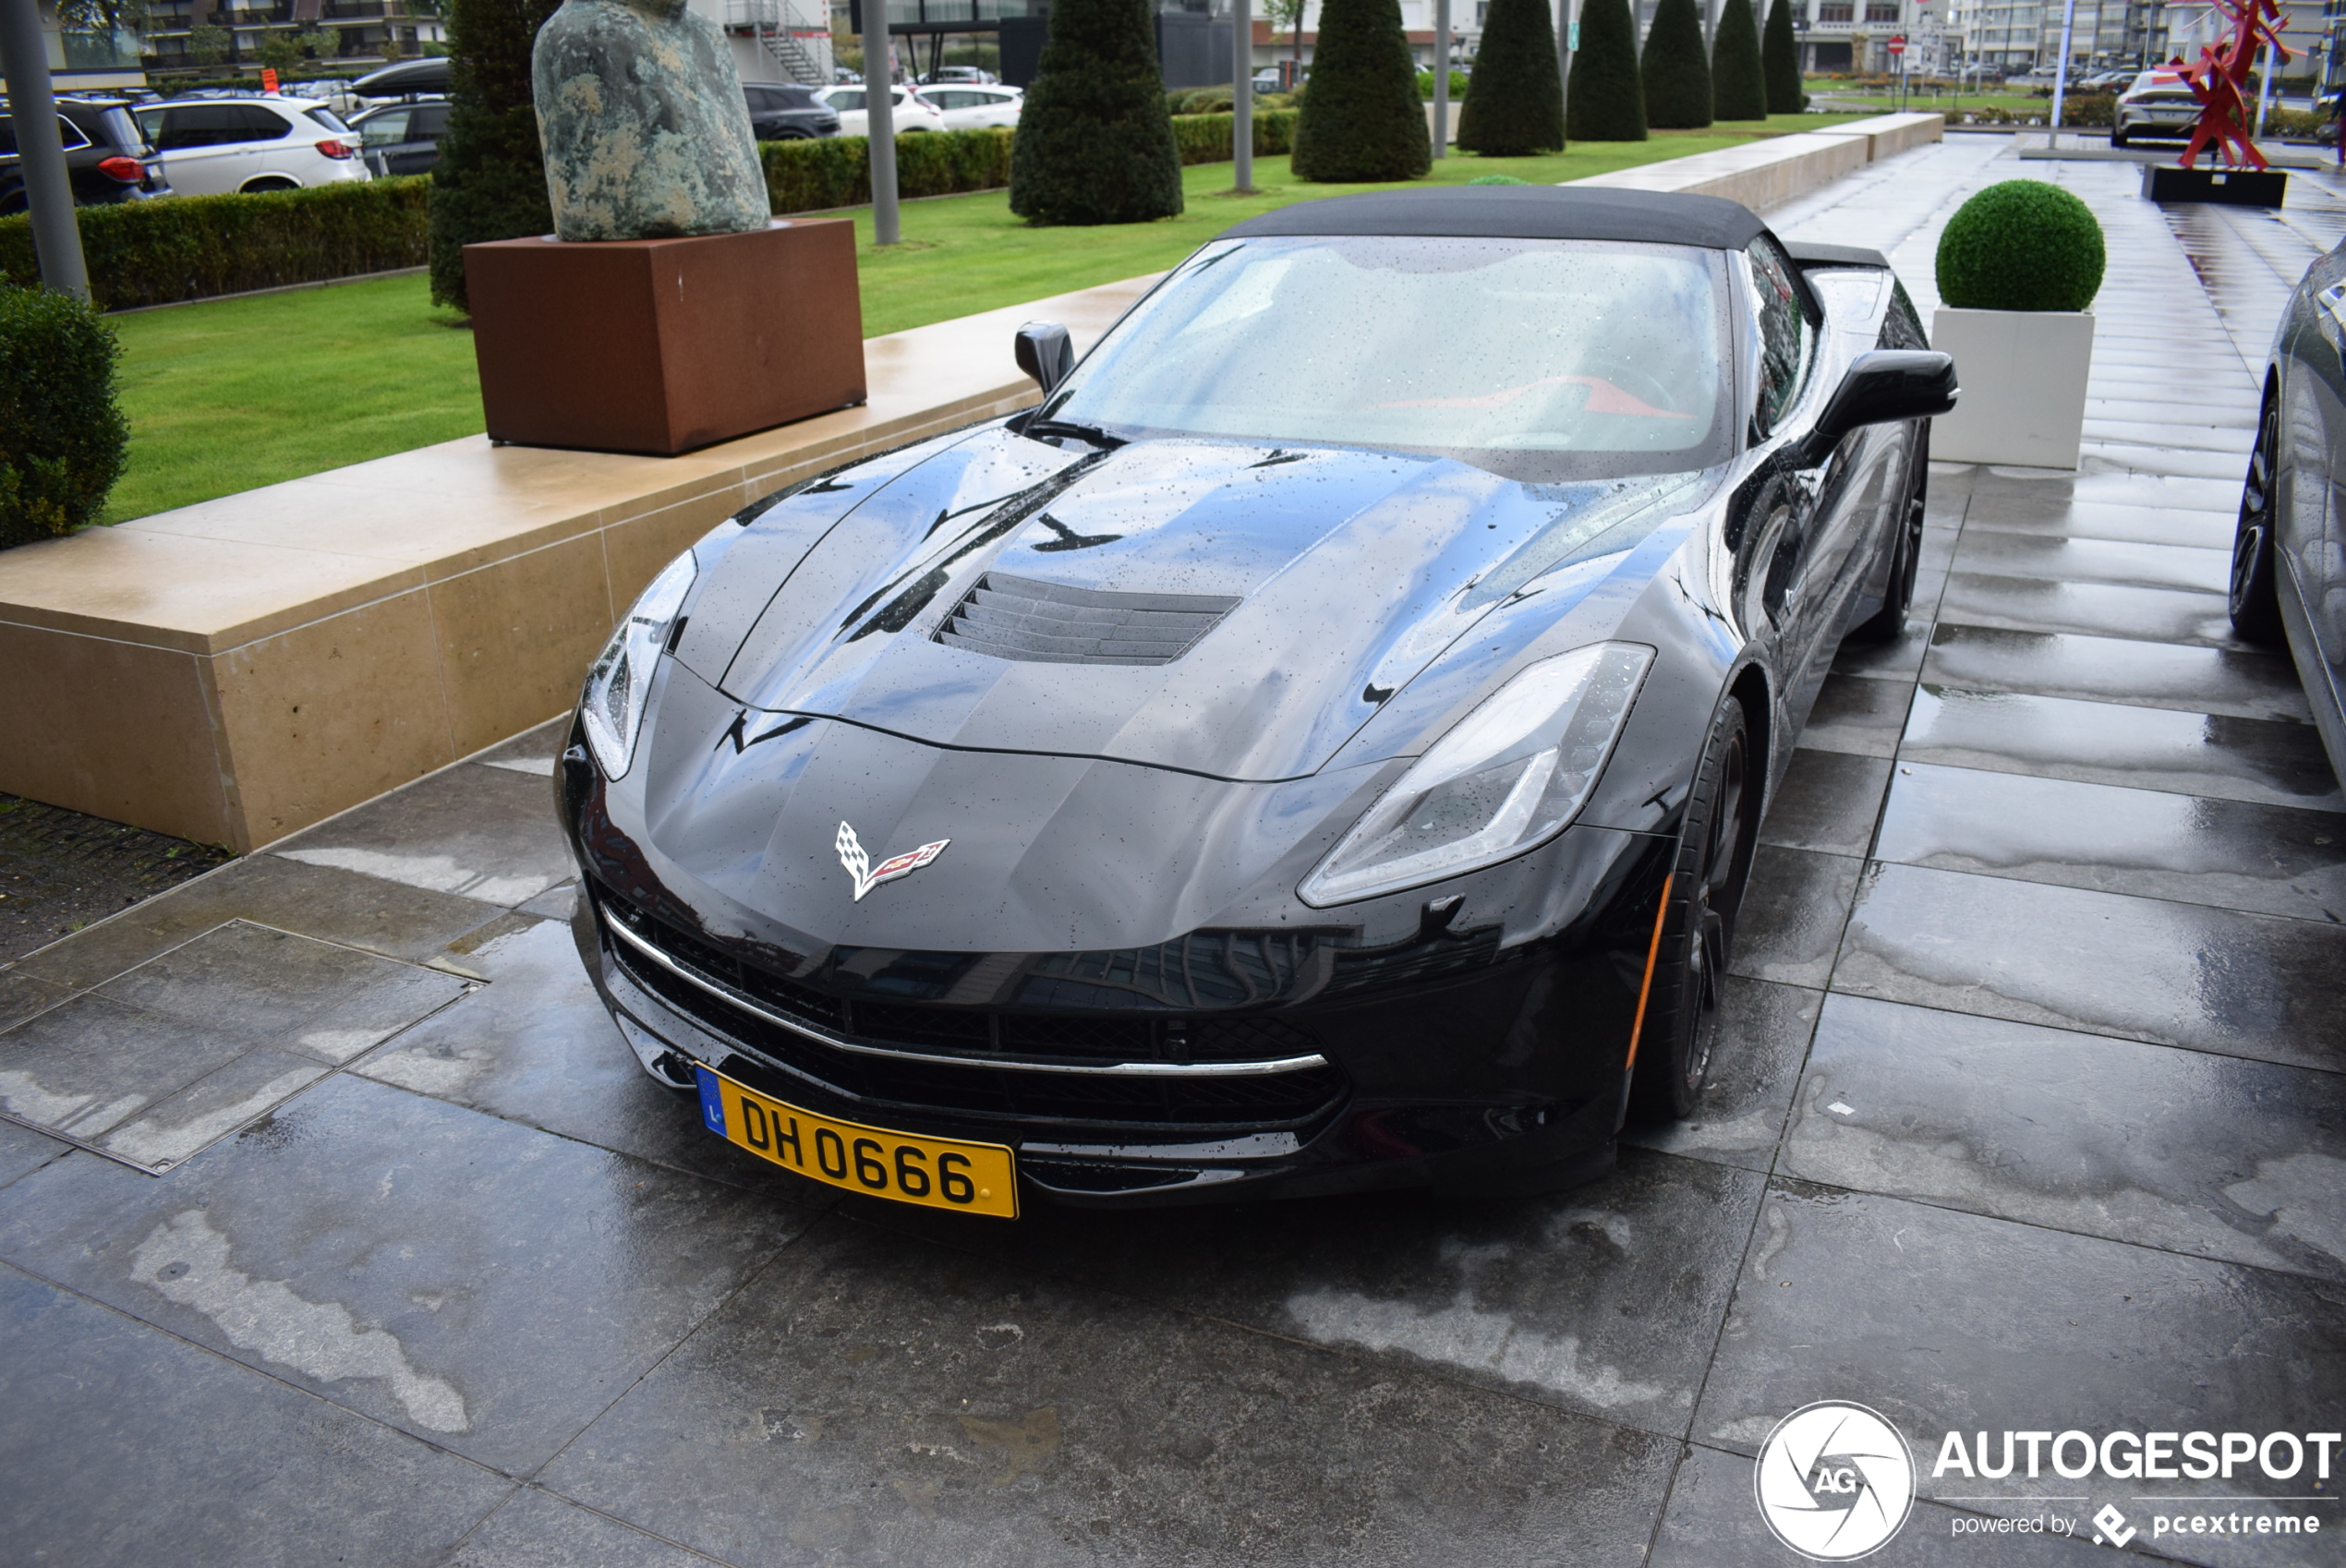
232,395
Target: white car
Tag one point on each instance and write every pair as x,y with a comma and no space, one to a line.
911,114
969,108
2158,104
212,146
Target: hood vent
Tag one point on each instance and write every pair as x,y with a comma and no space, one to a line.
1048,623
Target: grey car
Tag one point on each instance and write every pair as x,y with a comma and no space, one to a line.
2288,551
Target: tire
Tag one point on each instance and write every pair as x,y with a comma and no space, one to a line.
267,183
1704,895
2117,138
2255,597
1889,623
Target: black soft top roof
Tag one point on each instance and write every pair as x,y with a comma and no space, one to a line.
1535,212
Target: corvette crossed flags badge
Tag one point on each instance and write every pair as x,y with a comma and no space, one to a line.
868,876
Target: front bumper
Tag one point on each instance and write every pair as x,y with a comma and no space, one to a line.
1444,1063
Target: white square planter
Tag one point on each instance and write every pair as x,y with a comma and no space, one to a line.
2022,375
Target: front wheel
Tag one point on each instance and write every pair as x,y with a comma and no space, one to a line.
2253,598
1705,891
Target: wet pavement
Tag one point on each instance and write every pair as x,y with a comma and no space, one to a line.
2031,1117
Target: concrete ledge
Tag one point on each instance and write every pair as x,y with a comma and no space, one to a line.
235,670
1761,173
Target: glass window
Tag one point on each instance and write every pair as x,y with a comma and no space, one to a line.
253,123
386,128
327,118
70,134
1540,359
1779,306
1881,10
430,122
847,98
1835,10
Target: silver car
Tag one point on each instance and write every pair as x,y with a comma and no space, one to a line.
2158,104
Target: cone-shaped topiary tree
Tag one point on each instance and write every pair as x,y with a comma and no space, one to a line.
490,180
1607,102
1738,89
1676,69
1095,143
1780,62
1517,106
1361,120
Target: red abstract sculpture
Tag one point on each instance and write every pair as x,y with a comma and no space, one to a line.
2218,78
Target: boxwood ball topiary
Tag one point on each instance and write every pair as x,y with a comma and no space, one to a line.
2023,245
1517,106
1607,99
1362,120
63,442
1676,69
1094,142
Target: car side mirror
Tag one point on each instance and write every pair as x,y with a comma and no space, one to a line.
1882,387
1044,352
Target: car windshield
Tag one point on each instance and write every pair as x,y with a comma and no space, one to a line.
1540,359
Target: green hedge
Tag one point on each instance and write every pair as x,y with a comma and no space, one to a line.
194,246
813,176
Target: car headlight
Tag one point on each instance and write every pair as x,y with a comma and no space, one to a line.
622,679
1507,779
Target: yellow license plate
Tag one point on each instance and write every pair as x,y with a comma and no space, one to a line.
974,1178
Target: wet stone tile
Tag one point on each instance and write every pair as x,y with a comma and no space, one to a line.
1604,1300
2241,759
2111,669
875,1398
535,1046
210,1108
1713,1519
1899,660
2150,491
1856,715
2141,969
1754,1065
2036,558
482,1284
335,906
1948,1321
2166,461
21,996
90,1064
533,752
485,833
23,1150
2179,1150
2154,615
2272,860
127,1448
267,982
2132,524
535,1530
554,903
1789,927
1828,801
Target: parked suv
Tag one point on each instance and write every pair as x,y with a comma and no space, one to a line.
216,145
106,157
403,138
785,112
912,116
2158,104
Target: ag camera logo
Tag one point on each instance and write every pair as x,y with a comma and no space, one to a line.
1835,1481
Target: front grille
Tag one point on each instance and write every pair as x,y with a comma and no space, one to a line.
995,1090
1017,618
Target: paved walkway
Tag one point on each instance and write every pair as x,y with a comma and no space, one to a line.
2034,1120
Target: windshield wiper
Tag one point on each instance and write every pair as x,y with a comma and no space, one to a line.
1106,440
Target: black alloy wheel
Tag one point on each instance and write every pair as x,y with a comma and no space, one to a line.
1697,925
1889,623
2254,599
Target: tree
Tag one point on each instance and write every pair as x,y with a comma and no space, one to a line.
1518,103
1361,120
1608,99
1287,15
1676,69
1095,143
208,45
1780,62
490,181
278,51
1738,88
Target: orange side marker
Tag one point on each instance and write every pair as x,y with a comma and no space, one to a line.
1645,987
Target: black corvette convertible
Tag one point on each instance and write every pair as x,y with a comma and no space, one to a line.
1319,748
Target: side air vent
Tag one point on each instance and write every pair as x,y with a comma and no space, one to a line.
1047,623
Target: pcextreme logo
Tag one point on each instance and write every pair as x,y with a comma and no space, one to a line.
1835,1481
